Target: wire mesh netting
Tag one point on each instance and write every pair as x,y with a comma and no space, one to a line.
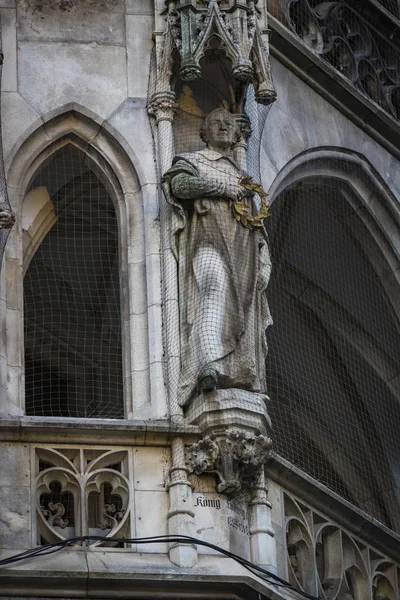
333,351
215,246
351,40
73,358
392,6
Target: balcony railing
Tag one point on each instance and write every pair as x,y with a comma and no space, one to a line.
326,560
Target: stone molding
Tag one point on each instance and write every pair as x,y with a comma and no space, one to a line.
286,47
85,572
7,216
119,432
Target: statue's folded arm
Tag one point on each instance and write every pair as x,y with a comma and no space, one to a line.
189,187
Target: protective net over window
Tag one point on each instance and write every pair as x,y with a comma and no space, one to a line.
334,349
333,352
73,358
215,250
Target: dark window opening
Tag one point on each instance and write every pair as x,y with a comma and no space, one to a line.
334,351
73,353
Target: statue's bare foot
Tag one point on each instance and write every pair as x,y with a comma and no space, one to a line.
208,380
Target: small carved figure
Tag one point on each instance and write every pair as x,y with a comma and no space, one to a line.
223,263
108,521
54,514
7,217
202,456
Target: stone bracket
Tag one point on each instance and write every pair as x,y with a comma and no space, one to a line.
237,459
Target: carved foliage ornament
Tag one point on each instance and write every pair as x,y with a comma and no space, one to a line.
343,39
163,106
236,34
202,456
237,459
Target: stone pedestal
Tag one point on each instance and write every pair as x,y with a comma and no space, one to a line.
216,411
234,449
235,444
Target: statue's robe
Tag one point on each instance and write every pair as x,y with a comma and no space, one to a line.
223,271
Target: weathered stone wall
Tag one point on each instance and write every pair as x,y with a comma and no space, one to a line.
301,120
96,54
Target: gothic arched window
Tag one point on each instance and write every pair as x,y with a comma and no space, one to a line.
72,313
334,350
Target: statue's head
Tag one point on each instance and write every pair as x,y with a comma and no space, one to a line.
219,129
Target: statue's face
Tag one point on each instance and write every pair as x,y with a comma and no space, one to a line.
220,128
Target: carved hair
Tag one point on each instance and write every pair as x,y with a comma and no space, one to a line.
203,128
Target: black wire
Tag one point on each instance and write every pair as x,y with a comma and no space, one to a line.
263,574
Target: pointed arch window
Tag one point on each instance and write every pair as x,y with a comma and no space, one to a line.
334,350
72,304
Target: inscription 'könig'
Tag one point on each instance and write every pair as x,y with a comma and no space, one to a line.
208,502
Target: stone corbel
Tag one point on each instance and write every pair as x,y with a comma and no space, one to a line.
162,106
236,458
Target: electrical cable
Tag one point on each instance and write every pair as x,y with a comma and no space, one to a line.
50,548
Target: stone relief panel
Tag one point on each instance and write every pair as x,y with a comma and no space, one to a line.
326,560
341,37
82,491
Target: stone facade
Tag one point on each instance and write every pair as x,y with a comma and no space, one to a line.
97,75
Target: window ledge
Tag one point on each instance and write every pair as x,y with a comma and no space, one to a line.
121,432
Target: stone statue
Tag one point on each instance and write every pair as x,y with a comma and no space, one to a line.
223,264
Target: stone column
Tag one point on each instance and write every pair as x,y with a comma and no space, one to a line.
181,514
240,148
262,535
10,315
162,107
7,218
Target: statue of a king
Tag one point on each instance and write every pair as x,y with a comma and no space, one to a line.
223,266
